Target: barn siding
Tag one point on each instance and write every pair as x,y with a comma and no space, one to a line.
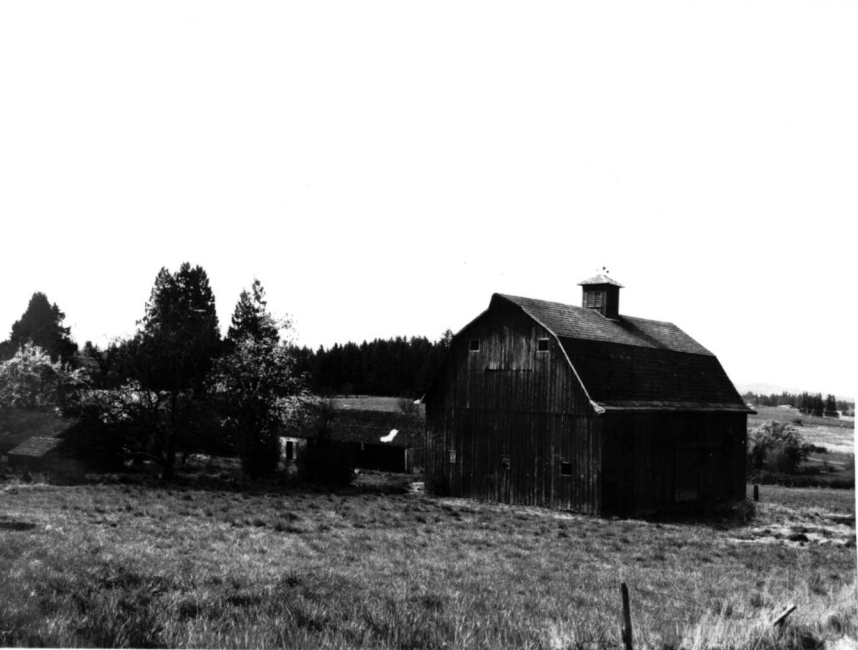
510,401
642,452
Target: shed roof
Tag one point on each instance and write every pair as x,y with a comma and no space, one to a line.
36,447
368,426
635,364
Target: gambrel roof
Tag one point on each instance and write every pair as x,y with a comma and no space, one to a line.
634,364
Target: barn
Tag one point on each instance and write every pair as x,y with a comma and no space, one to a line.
583,408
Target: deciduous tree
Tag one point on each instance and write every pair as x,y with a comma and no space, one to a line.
257,385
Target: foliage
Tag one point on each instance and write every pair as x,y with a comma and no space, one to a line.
251,318
777,445
168,359
259,391
399,366
42,325
31,380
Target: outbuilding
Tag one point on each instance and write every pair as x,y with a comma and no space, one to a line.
582,408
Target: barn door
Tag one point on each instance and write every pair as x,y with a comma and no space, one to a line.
686,472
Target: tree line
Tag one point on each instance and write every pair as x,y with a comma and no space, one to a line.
177,386
807,403
397,367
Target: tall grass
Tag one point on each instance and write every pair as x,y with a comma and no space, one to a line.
181,566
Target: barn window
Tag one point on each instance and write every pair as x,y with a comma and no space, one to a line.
598,298
475,345
565,468
591,300
504,462
542,345
451,454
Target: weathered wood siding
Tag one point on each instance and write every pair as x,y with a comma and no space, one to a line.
502,421
649,459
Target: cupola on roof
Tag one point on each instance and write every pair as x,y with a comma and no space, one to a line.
601,278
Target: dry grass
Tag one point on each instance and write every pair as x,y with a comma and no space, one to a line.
221,563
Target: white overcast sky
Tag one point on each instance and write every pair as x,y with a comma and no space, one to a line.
384,167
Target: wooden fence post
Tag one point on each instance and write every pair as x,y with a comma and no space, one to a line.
627,618
756,492
782,618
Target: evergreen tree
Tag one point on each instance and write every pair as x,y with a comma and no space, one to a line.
172,353
42,325
831,407
259,390
250,318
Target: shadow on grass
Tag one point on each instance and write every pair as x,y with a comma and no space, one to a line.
735,516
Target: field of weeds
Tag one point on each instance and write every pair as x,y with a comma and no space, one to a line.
215,562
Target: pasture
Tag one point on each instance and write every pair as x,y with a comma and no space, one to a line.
210,560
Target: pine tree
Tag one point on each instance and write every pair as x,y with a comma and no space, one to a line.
173,351
42,325
251,318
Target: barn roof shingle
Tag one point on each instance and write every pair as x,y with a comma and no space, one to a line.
635,364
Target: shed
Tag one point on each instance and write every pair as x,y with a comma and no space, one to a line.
366,433
39,440
582,408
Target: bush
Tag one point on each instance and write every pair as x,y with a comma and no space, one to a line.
777,446
30,380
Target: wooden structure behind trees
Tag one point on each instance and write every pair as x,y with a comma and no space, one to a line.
582,408
363,435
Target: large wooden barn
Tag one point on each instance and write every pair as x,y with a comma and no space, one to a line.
583,408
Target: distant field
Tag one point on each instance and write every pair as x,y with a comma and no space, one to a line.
788,415
836,435
215,562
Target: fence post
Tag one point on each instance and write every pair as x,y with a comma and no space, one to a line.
782,618
756,492
627,618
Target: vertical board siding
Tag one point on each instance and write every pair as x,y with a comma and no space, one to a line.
641,450
509,400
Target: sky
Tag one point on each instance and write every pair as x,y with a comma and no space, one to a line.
384,167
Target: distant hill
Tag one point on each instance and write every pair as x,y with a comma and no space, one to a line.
761,388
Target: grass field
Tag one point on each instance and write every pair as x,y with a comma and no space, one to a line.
211,561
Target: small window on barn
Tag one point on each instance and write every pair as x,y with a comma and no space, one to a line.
504,462
475,345
542,345
565,468
451,453
599,295
591,299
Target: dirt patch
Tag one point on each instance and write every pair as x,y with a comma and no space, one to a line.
818,527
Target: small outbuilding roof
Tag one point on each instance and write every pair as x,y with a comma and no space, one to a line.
369,426
36,447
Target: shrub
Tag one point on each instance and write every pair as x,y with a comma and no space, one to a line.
31,380
776,445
